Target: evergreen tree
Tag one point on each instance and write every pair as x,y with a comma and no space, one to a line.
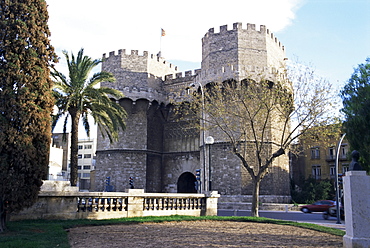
25,102
79,97
356,108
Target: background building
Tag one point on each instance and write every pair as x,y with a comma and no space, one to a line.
86,157
317,159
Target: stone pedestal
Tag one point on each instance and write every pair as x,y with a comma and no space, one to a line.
211,203
135,202
356,186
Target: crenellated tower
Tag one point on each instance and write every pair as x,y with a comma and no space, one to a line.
162,154
240,53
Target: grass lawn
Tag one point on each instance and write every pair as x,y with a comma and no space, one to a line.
52,233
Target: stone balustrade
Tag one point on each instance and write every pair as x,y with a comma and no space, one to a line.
72,204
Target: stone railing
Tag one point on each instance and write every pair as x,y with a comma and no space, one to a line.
109,205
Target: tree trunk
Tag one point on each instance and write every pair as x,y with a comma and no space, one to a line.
255,196
2,216
74,146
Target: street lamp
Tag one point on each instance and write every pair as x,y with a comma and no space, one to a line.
205,184
209,141
336,178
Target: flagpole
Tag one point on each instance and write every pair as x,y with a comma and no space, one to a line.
160,45
163,33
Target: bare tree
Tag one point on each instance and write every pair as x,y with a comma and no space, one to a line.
262,115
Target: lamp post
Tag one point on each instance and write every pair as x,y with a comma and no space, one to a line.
336,178
209,141
205,183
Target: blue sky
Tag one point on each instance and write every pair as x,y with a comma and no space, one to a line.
333,36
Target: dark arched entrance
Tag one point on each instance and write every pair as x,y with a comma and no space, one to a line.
186,183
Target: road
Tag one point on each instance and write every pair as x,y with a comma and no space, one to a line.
315,218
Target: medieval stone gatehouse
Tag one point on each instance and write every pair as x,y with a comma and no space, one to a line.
162,155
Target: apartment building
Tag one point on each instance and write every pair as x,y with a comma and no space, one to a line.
86,160
317,159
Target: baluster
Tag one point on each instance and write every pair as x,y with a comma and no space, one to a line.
96,204
109,204
160,203
114,204
102,206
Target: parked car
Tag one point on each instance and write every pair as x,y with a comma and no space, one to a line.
319,206
333,213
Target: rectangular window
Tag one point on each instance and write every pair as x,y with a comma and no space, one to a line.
87,156
315,153
343,152
331,155
88,146
87,167
332,171
345,168
79,167
316,171
79,156
86,175
80,147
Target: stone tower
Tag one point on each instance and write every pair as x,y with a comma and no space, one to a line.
161,154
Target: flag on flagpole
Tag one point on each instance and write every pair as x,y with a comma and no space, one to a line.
163,33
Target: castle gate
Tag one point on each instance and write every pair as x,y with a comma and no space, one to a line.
161,153
186,183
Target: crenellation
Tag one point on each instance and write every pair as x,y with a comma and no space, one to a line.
188,73
237,26
168,77
263,29
223,29
182,75
151,85
251,26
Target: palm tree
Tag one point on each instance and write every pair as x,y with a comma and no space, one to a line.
78,97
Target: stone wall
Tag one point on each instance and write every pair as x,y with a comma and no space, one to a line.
71,204
156,149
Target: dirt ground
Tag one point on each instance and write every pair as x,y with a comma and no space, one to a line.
200,234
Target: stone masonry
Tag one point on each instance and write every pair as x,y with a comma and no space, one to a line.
161,154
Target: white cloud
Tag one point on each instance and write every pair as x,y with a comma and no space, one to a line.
101,27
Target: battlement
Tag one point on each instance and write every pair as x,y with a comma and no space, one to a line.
134,55
181,75
250,27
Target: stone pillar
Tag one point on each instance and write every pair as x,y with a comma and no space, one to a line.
356,186
211,204
135,202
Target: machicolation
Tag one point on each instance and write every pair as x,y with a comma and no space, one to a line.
162,154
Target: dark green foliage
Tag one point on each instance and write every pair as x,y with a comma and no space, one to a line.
356,108
311,190
77,97
25,102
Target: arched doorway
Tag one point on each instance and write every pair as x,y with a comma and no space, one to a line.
186,183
